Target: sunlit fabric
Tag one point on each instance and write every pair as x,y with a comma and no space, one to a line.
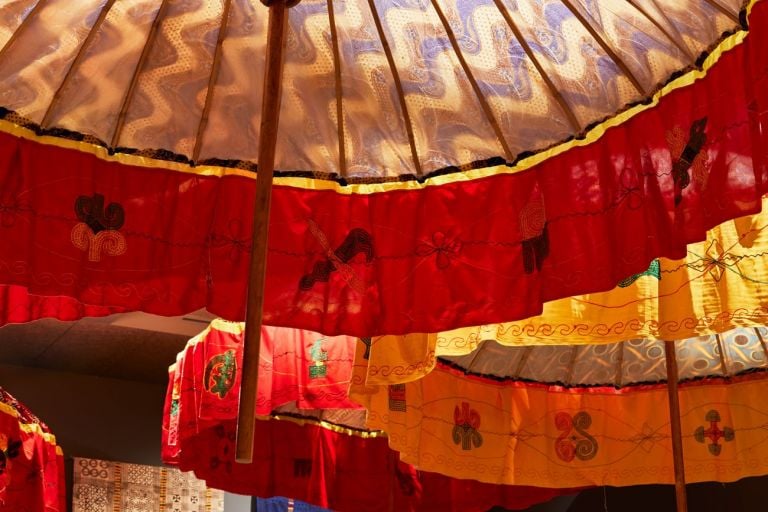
301,367
555,416
31,464
471,80
126,230
721,284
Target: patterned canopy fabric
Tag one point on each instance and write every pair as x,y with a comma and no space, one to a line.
514,432
420,85
323,456
31,463
106,486
721,284
579,415
129,131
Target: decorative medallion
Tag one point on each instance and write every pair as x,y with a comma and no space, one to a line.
466,425
97,232
574,440
714,433
686,154
358,241
317,369
220,373
654,270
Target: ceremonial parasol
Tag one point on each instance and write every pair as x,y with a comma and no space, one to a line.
324,456
718,286
583,415
439,164
31,464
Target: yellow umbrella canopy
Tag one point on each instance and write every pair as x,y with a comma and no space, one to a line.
569,415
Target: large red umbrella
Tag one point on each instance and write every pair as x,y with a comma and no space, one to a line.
439,163
31,464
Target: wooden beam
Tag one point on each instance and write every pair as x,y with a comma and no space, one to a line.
270,114
677,432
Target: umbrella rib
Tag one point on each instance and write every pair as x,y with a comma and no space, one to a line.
339,92
76,61
475,353
214,76
619,367
22,26
559,98
136,72
722,9
681,46
723,360
606,48
398,86
571,364
523,360
473,81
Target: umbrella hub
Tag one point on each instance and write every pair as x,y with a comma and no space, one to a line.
288,3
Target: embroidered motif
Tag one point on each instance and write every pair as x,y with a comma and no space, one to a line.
574,440
367,343
713,433
654,270
97,232
466,422
220,373
318,354
358,241
444,249
396,394
689,151
535,236
9,449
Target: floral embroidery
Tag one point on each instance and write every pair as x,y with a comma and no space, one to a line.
466,425
97,232
220,373
444,248
714,433
574,440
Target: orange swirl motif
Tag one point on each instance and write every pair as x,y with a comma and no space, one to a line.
568,445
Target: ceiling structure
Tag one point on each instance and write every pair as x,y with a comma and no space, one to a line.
133,346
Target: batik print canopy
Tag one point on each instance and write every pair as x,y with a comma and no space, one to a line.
324,456
31,464
439,164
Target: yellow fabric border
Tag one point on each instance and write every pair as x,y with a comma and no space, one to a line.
591,136
555,437
29,428
323,424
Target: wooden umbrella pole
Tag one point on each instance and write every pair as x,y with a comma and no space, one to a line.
677,431
270,113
